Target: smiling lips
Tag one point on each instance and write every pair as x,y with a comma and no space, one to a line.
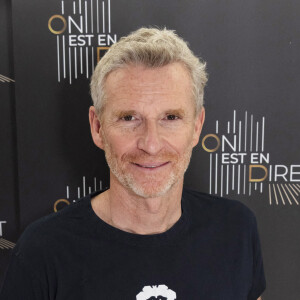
151,165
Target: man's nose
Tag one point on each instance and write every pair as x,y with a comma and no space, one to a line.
150,140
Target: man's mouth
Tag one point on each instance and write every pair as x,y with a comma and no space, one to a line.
151,165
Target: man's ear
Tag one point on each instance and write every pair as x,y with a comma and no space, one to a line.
95,126
200,117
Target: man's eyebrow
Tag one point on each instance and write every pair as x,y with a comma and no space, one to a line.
124,113
177,112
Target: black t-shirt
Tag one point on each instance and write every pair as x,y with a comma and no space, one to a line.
212,252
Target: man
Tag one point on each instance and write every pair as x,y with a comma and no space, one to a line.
145,237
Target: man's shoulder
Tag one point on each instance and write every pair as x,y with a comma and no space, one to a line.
47,230
218,208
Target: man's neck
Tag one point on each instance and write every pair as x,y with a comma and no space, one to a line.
129,212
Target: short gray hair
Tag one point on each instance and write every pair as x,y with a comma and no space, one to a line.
151,47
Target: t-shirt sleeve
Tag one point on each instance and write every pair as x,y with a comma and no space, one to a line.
258,281
20,283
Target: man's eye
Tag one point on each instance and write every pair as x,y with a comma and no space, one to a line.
172,117
128,118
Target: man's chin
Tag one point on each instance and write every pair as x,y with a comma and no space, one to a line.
148,194
149,186
151,191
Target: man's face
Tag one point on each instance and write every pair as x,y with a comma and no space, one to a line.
149,127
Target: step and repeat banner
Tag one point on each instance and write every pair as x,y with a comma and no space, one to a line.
249,147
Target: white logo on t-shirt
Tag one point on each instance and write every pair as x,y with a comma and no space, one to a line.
156,291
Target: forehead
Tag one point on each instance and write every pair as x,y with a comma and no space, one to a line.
142,85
